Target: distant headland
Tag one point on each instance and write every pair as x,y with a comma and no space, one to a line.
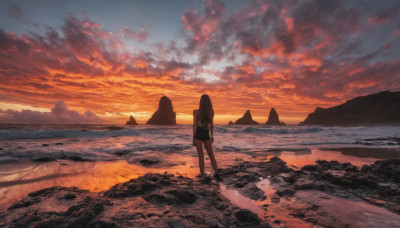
374,109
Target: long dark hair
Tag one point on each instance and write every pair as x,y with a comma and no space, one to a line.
206,111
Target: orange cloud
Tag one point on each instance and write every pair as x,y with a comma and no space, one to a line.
270,56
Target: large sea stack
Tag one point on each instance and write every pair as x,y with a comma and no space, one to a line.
246,119
273,119
375,109
131,121
165,114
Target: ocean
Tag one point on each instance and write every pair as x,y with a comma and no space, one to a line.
107,142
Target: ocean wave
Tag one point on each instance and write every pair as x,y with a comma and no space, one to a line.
55,133
282,130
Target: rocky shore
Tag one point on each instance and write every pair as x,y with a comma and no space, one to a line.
164,200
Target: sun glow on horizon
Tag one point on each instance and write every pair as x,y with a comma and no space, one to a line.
105,72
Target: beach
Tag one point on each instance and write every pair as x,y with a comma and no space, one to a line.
282,176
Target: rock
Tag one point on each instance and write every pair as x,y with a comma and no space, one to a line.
131,121
387,169
275,165
165,114
183,196
114,128
246,119
333,165
247,217
44,159
141,185
277,222
253,192
121,152
285,192
149,161
69,196
45,144
378,108
173,202
76,158
230,122
273,119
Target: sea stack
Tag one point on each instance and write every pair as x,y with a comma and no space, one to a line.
165,114
231,123
246,119
273,119
375,109
131,121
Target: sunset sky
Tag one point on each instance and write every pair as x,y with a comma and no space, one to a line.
101,61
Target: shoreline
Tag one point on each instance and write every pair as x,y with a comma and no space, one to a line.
271,185
17,179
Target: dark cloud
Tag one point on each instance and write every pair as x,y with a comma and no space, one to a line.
290,53
202,27
383,16
15,12
140,36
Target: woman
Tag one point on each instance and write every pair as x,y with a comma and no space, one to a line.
202,126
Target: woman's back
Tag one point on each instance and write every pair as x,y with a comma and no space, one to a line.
199,122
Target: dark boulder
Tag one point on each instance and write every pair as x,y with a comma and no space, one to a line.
247,217
149,161
183,196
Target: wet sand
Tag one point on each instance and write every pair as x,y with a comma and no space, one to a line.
19,179
363,152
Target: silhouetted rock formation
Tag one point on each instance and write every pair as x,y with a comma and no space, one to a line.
246,119
273,119
165,114
378,108
231,123
131,121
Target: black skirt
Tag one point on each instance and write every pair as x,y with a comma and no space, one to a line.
202,134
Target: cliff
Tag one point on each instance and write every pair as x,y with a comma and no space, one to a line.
374,109
165,114
273,119
246,119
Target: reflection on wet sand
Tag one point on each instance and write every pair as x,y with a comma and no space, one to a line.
265,209
363,152
299,160
19,179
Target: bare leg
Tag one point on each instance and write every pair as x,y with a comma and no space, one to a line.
208,146
199,147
